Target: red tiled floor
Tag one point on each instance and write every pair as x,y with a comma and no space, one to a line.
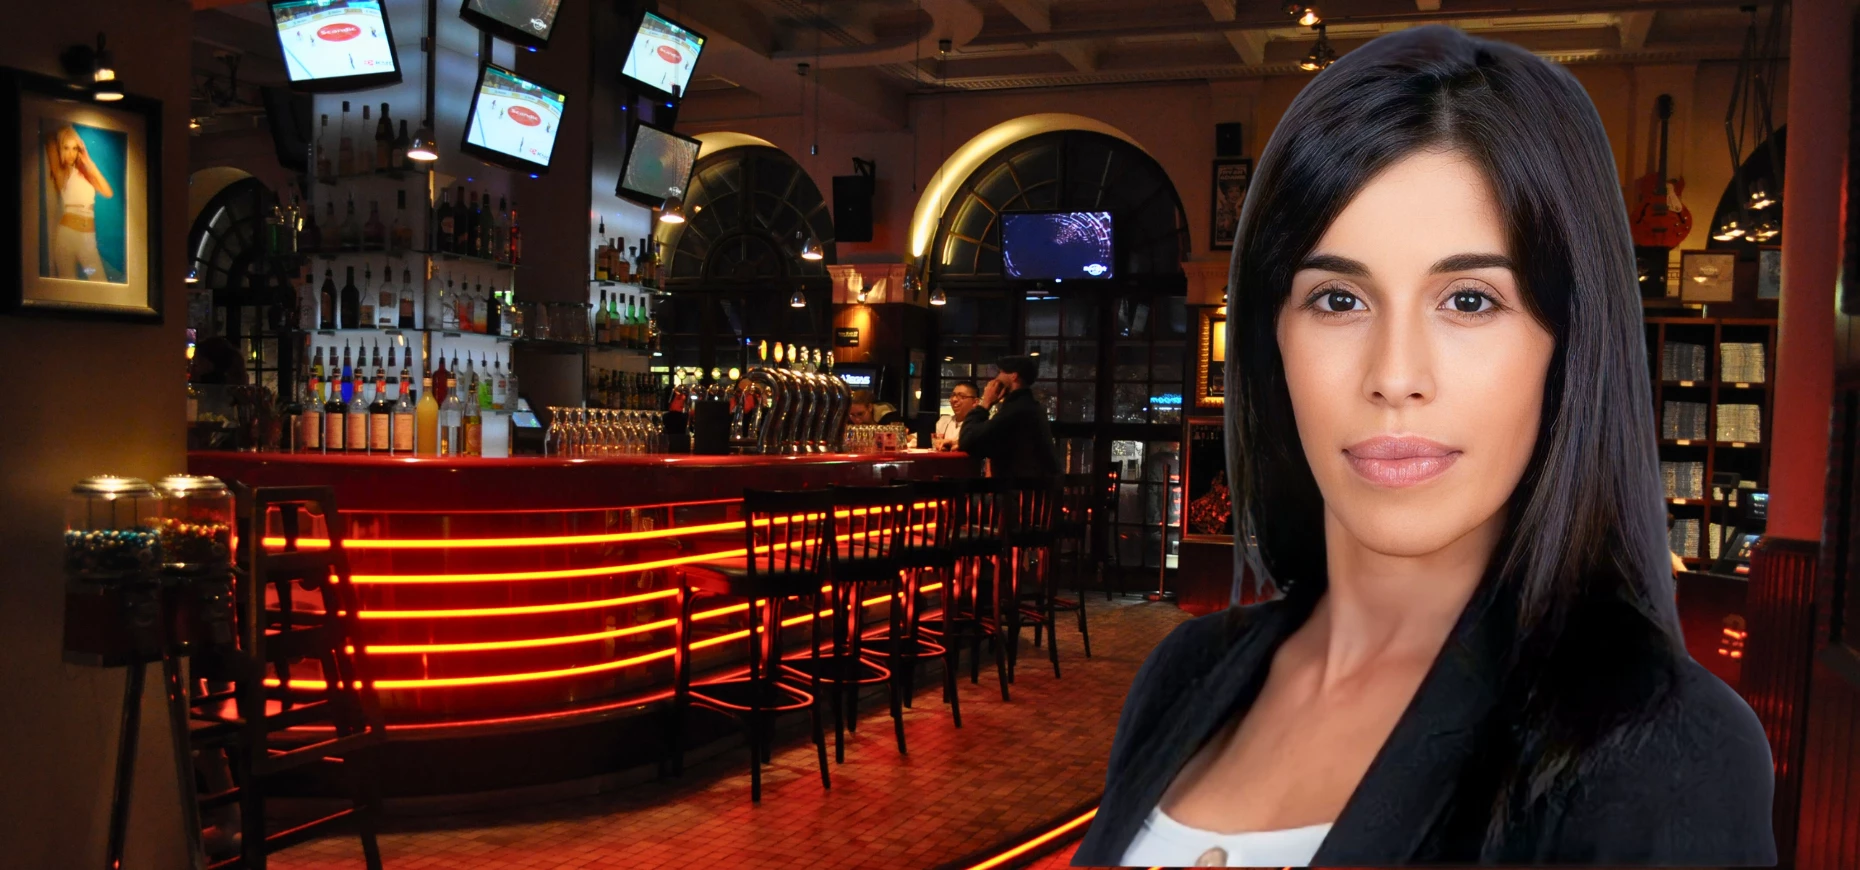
1011,768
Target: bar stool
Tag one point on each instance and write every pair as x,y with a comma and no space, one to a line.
924,552
784,537
978,543
1072,525
862,552
1030,540
274,633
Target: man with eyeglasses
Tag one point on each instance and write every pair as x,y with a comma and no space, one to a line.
962,399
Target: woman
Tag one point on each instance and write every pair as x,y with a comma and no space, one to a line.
76,183
1442,456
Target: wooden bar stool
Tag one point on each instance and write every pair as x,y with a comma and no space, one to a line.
784,537
1030,539
272,693
972,604
924,554
1072,526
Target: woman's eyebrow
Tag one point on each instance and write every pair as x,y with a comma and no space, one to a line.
1453,263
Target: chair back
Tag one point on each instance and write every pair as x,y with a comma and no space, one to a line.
786,532
980,512
930,520
1035,503
871,522
1076,498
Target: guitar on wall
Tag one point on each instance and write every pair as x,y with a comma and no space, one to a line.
1660,220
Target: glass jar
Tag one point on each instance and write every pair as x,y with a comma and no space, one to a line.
196,523
112,528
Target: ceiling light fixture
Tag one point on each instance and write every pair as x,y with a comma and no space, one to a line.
797,299
422,148
1321,56
938,297
810,250
1310,17
1730,231
674,210
104,86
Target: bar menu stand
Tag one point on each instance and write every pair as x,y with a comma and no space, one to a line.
133,622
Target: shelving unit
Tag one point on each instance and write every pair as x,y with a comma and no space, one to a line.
1750,460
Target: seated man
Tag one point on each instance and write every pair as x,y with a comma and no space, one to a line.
962,400
1016,438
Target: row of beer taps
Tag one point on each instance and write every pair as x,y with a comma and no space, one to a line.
795,406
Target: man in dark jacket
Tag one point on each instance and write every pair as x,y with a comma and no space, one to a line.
1015,436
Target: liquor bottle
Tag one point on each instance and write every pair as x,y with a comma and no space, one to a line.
332,231
633,332
400,235
623,270
451,441
309,417
325,166
426,423
500,386
351,313
335,415
467,380
406,299
482,226
494,314
380,413
461,226
374,232
449,314
384,141
614,322
392,387
441,377
600,319
387,302
516,237
316,372
500,240
355,432
351,227
364,155
461,304
380,376
600,254
345,152
444,220
405,425
480,310
347,373
485,389
327,302
308,308
367,318
473,425
507,324
398,158
512,400
310,236
652,334
434,302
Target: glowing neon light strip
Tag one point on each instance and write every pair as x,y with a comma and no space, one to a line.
400,649
519,610
1035,843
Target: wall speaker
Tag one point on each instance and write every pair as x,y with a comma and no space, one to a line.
852,208
1227,140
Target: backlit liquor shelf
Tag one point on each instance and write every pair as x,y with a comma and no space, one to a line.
529,590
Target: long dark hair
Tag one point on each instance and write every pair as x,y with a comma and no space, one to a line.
1582,543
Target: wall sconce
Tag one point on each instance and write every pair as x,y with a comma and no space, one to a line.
96,68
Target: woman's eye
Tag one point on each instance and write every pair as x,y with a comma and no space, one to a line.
1338,301
1471,302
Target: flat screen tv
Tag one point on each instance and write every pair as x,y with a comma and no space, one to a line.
524,22
336,45
658,164
663,55
1057,246
513,121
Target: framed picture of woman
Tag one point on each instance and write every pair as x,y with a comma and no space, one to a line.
1231,176
85,179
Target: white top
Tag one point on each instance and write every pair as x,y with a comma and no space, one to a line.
946,426
1165,842
80,198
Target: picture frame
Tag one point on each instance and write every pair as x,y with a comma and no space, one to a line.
1230,179
1207,513
1211,359
1769,272
86,180
1706,276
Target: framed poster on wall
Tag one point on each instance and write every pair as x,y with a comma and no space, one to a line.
1231,177
1208,513
1211,359
85,178
1706,276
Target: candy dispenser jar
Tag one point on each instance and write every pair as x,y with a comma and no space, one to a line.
196,523
112,528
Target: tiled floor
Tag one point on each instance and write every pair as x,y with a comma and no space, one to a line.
1010,768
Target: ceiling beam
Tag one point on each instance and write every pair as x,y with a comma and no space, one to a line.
1035,15
1083,56
1347,11
1249,44
1221,10
1634,27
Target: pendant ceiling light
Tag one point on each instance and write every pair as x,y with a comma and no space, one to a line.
1321,56
797,300
1310,17
105,88
1752,94
674,210
810,250
938,297
422,148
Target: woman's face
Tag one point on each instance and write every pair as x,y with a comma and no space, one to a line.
68,147
1416,371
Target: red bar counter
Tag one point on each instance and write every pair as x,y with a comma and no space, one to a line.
500,592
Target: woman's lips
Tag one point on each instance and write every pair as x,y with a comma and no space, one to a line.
1398,462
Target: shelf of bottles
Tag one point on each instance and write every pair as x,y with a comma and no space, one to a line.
622,289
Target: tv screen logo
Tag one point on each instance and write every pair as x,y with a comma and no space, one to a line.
1097,269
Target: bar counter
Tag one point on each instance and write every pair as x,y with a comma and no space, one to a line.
521,592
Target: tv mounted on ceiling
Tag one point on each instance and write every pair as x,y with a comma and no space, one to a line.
662,56
1058,246
658,164
336,45
513,120
524,22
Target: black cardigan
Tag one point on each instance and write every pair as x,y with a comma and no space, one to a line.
1017,440
1690,786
